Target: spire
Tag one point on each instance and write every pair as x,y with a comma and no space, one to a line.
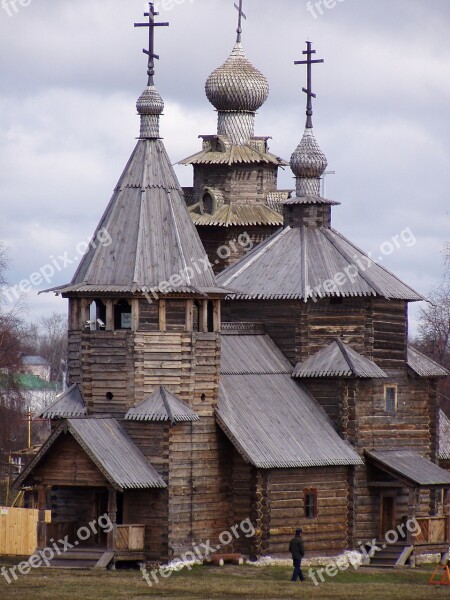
308,162
237,90
150,105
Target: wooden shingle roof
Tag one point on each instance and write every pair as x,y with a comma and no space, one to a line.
270,419
311,263
423,366
236,213
152,236
338,360
411,466
162,405
444,436
111,450
68,404
233,155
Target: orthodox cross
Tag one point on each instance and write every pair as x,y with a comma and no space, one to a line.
151,14
241,14
308,90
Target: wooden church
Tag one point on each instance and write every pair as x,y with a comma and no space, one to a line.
279,388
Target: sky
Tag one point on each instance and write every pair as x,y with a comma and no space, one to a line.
71,72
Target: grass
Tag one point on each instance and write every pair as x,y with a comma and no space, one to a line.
211,583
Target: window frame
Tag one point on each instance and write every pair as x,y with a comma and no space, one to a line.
310,493
391,386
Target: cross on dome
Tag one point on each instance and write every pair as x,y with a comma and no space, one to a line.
309,52
241,15
151,14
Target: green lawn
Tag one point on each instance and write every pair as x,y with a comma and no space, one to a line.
221,583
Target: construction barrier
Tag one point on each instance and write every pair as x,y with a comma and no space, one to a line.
18,531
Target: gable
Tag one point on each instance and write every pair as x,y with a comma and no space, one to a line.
66,463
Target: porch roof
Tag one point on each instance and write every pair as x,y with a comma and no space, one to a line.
411,466
110,449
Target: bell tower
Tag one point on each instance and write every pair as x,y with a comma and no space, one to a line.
145,312
235,175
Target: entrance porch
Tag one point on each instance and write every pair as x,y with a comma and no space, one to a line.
414,507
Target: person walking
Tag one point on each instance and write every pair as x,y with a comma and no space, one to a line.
297,549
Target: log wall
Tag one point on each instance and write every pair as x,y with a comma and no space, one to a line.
226,245
237,183
325,534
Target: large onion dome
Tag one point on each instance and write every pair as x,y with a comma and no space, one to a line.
237,85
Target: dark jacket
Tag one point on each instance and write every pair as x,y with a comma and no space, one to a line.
297,547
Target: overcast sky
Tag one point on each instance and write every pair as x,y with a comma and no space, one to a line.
71,71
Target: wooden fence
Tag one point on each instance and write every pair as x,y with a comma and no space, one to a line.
18,531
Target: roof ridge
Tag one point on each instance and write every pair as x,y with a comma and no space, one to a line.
346,355
166,404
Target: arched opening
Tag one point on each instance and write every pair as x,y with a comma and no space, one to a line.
122,315
208,203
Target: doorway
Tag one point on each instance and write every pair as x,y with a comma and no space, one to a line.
388,510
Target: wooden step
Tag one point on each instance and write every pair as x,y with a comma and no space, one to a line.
104,560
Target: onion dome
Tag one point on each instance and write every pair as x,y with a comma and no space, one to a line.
308,160
237,85
150,106
308,164
150,102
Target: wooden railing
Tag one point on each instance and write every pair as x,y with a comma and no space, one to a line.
130,538
433,530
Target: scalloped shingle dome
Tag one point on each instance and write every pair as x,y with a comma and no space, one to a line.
308,160
237,85
150,102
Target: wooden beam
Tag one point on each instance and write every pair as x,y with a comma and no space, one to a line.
217,316
162,315
385,484
135,314
109,315
189,315
204,316
41,524
112,514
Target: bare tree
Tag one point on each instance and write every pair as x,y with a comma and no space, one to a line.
12,409
434,329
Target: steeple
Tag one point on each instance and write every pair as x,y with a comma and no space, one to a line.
237,90
308,162
151,236
150,105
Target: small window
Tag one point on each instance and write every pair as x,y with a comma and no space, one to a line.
390,398
310,501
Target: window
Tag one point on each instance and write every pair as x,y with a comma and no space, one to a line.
310,503
122,315
390,398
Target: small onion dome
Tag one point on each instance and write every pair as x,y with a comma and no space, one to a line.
308,160
150,102
237,85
